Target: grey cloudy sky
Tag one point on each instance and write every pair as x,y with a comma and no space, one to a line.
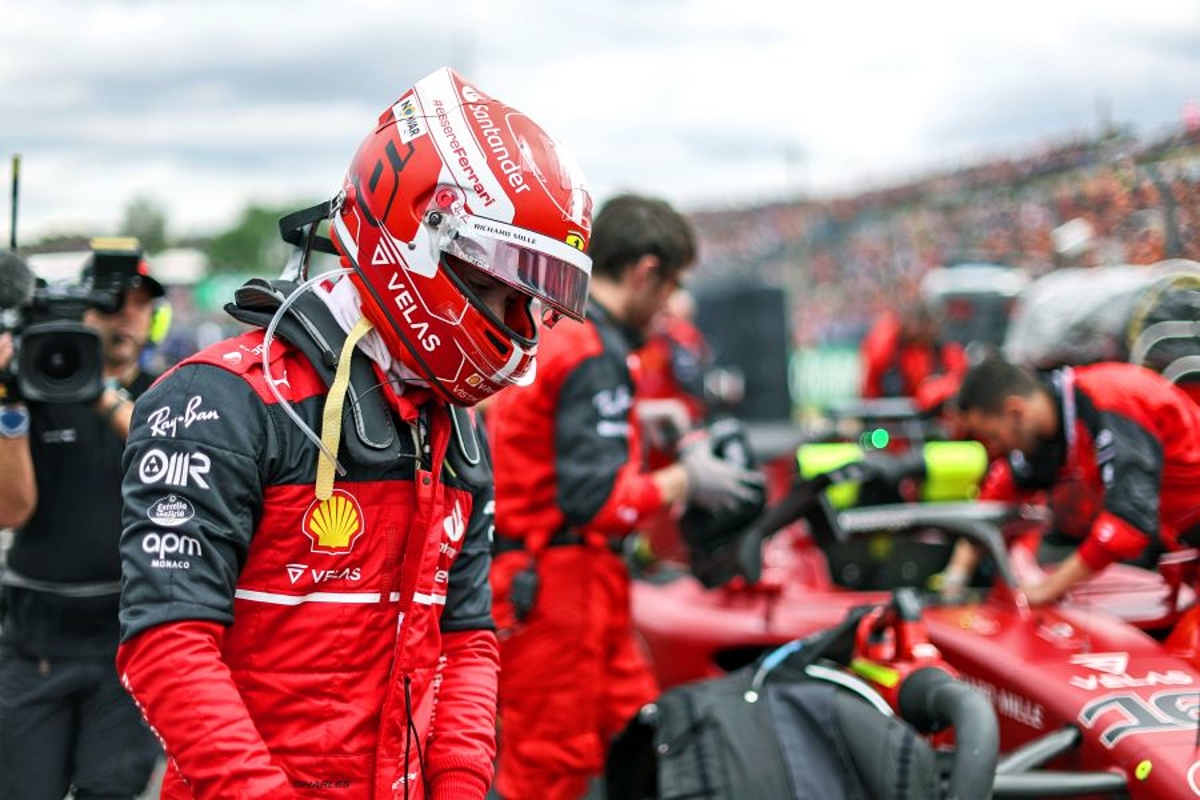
205,105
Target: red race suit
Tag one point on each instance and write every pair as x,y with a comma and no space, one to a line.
284,646
569,488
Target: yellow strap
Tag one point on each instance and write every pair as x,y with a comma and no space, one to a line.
331,418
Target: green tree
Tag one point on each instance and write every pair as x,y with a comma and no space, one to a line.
253,244
145,220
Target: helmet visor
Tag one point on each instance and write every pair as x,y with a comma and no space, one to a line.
550,270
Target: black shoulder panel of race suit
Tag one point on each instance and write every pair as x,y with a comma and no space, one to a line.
194,463
591,435
469,595
309,326
1130,460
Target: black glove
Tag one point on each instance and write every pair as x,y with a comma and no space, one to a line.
715,484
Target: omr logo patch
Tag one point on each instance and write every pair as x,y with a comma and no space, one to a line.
334,525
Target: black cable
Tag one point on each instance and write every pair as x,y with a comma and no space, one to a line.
410,735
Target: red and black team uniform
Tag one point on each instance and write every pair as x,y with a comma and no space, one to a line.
336,648
1129,437
570,489
894,367
671,365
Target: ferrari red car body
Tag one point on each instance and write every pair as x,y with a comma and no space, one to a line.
1090,702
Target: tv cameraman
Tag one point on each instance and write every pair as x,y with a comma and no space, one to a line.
65,719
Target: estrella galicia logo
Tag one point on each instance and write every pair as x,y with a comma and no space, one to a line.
171,511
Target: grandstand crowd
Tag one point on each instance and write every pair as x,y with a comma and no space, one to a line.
843,262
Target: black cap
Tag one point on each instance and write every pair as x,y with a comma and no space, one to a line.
144,278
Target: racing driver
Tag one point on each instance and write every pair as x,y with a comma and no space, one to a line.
308,614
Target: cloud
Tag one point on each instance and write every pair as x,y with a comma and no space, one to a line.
206,105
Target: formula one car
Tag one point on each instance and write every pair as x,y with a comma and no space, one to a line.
799,724
1090,703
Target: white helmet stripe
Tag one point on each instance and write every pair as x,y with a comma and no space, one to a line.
453,136
345,238
504,374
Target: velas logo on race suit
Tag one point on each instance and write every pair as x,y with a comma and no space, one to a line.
334,525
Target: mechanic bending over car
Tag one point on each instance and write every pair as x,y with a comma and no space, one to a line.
1126,435
569,491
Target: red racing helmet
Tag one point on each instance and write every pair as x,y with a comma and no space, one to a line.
451,172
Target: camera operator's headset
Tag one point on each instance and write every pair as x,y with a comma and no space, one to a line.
160,320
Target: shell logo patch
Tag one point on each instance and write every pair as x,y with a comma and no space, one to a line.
334,525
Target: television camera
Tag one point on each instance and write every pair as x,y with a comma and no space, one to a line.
57,358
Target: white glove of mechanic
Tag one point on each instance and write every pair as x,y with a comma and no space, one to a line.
713,483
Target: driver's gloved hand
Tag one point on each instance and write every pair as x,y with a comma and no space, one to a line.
715,484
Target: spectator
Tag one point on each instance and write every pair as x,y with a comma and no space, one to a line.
295,626
569,490
1126,434
66,724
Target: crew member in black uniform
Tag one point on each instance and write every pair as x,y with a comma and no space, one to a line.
65,720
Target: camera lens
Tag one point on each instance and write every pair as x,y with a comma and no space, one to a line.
60,363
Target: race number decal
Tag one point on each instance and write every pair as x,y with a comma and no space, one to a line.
1128,714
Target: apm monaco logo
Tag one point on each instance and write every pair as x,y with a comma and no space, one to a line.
334,525
171,550
171,511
